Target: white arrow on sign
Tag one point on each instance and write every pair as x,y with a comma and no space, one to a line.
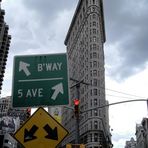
58,89
23,66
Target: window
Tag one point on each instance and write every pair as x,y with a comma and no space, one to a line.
94,82
95,102
94,31
91,124
94,23
94,46
94,16
95,112
6,141
90,55
94,72
86,3
93,1
83,10
96,137
90,137
94,55
96,124
100,113
93,8
91,73
91,64
91,92
95,92
90,47
94,39
94,63
90,38
85,139
91,113
90,24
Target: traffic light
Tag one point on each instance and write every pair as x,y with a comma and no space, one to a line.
82,146
75,146
68,145
76,106
28,113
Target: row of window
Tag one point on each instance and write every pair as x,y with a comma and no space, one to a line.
93,16
94,137
94,125
94,55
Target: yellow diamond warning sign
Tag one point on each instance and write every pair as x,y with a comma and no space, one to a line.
41,130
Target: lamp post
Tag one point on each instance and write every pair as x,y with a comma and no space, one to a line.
76,110
77,85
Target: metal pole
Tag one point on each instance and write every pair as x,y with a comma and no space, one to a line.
77,116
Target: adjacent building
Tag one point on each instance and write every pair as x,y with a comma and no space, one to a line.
131,143
4,45
10,121
5,104
142,134
85,49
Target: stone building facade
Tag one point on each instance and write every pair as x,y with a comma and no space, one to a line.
85,49
5,39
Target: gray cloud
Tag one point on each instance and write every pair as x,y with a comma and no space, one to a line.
43,25
36,27
48,9
126,25
39,25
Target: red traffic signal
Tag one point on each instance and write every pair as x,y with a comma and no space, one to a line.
76,106
76,102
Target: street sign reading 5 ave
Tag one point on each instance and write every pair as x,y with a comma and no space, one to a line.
40,80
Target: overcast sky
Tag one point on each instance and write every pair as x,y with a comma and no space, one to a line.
40,26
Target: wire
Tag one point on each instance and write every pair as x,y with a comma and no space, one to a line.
123,97
124,93
107,89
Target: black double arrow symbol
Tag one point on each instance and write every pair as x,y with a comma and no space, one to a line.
29,134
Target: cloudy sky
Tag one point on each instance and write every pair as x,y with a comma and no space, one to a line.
40,26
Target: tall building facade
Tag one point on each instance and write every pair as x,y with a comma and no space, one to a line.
85,49
4,45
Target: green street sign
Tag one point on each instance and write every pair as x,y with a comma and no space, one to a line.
40,80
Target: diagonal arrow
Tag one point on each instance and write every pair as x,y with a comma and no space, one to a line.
23,67
52,133
29,135
58,89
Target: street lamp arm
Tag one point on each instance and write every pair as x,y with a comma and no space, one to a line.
68,107
78,83
115,103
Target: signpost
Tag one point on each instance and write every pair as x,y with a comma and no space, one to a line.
41,130
40,80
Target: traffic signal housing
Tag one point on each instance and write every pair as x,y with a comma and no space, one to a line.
28,113
76,106
75,146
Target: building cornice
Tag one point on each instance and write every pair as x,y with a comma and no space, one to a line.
75,16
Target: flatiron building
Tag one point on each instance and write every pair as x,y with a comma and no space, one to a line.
85,50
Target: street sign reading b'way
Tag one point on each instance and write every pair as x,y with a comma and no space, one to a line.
40,80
